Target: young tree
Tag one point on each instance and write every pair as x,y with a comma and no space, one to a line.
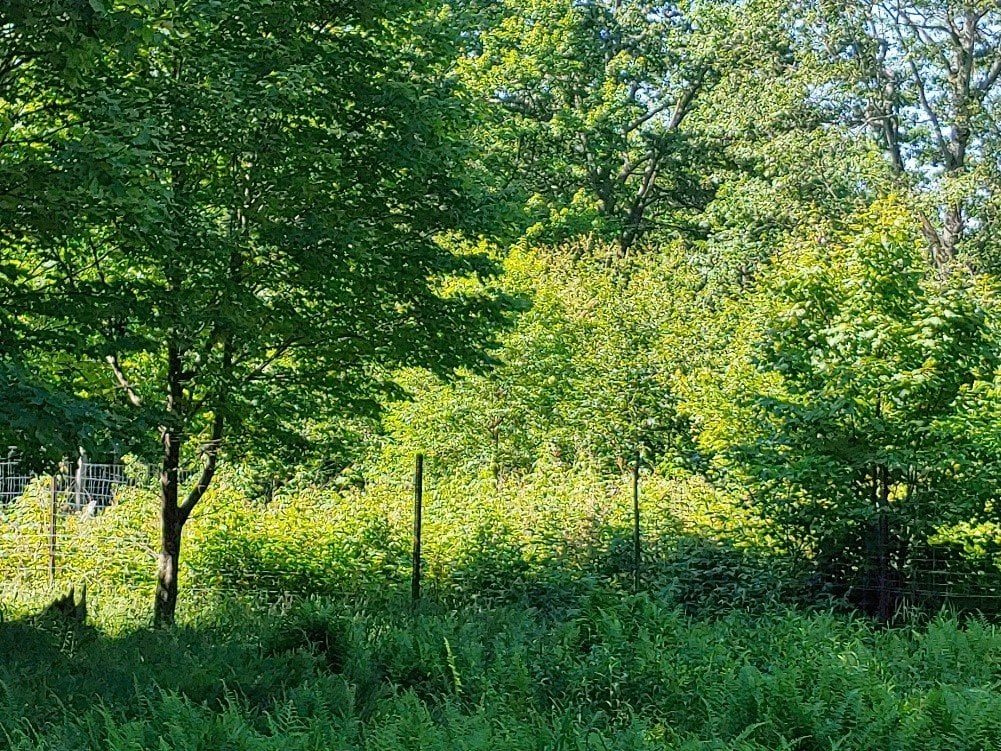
281,176
858,368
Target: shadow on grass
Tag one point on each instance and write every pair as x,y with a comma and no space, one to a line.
235,647
563,654
701,577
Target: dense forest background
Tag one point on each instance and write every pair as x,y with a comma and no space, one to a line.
747,245
690,311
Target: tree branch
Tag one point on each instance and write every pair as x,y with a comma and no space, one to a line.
932,116
989,79
134,399
649,115
685,102
208,471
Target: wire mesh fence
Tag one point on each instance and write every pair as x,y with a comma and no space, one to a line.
13,480
82,485
85,485
70,539
90,487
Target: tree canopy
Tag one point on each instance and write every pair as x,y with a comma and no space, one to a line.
754,242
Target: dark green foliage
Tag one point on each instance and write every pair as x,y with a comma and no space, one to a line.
258,216
623,672
47,424
312,630
527,636
710,578
67,607
238,230
857,379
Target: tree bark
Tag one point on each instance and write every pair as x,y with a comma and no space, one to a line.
166,576
171,524
173,515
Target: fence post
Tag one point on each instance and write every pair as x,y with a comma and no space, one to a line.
415,582
52,532
637,556
81,476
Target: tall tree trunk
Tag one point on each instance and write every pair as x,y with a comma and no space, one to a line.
166,575
173,515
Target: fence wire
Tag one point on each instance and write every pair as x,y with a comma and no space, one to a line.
13,480
43,553
83,485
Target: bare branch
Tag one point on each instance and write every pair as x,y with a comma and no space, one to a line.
684,104
629,167
649,115
931,115
130,392
989,79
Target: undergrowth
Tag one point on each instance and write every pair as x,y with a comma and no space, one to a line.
545,539
297,632
615,671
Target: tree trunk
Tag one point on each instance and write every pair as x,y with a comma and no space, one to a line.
171,524
166,575
173,515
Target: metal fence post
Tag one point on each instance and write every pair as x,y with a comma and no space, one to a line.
415,582
53,510
81,476
637,556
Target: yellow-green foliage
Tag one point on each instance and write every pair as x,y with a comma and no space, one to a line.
476,533
544,533
113,552
603,669
586,376
977,541
315,541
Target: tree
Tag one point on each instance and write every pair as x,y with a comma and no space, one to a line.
852,397
921,80
585,378
590,102
46,49
282,179
788,158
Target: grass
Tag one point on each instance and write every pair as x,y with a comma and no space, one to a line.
300,636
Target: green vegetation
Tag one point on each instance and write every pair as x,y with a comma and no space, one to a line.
527,636
549,537
742,254
265,192
622,672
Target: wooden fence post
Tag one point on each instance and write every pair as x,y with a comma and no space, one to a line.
415,582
